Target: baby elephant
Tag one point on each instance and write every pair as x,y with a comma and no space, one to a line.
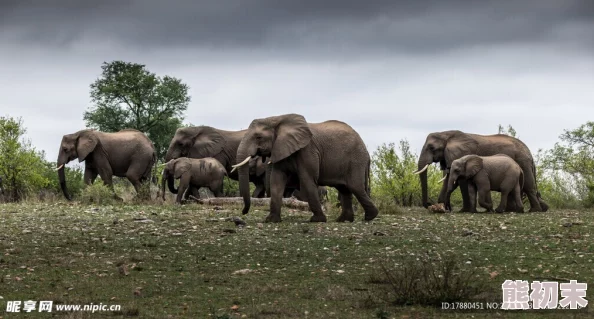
195,173
485,174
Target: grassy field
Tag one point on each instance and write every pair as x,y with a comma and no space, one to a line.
165,261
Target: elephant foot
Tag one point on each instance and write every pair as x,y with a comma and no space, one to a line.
371,215
272,219
499,210
520,211
346,218
534,210
318,218
466,210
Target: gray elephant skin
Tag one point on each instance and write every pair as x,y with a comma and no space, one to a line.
127,153
484,174
330,153
205,141
445,147
195,172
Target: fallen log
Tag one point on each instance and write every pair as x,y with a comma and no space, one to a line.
222,201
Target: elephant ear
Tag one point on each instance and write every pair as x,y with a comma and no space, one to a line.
260,167
292,134
207,143
460,144
85,144
181,167
473,165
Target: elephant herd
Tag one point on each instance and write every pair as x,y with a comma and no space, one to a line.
284,155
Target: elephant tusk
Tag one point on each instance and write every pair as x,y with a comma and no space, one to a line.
269,162
247,159
421,170
233,170
443,179
60,167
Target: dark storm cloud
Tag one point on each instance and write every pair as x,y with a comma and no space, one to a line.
329,25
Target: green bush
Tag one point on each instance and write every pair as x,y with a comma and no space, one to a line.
427,281
393,182
98,194
22,168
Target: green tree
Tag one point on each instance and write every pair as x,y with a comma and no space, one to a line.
129,96
574,155
21,166
393,179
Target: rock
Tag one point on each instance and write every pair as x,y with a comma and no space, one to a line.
467,232
567,225
230,231
242,272
437,208
378,233
238,221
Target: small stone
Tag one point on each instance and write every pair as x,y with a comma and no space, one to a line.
235,307
567,225
230,231
242,272
378,233
467,232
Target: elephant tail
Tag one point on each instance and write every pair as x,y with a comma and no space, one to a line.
367,182
535,179
153,167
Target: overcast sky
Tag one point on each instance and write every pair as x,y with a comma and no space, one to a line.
391,69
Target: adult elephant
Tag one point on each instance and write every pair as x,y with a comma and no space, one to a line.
127,153
330,153
445,147
206,141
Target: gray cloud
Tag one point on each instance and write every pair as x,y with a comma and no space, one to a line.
337,27
391,69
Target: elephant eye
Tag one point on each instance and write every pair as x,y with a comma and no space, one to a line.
431,147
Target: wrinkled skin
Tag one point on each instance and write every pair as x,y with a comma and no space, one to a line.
445,147
322,194
330,153
204,172
497,173
127,153
206,141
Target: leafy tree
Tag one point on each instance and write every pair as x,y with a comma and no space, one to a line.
574,155
129,96
393,178
21,166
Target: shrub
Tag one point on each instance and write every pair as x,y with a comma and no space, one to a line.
21,166
427,281
393,182
97,194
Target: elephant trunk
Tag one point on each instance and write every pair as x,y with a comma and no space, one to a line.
170,181
62,178
423,177
244,179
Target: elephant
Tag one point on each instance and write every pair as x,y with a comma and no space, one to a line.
485,174
257,176
206,141
330,153
127,153
447,146
322,194
197,172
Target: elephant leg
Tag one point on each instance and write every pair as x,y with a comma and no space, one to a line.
503,203
260,191
135,182
472,197
184,186
278,181
511,205
90,175
463,183
216,187
530,190
309,190
517,196
346,203
484,199
107,177
365,201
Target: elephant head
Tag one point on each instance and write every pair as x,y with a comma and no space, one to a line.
465,167
174,169
275,137
77,145
442,148
195,142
